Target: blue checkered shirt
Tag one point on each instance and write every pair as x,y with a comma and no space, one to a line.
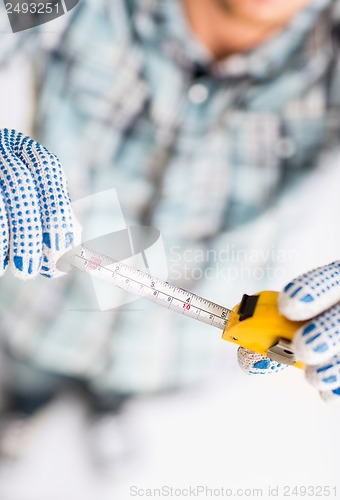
130,100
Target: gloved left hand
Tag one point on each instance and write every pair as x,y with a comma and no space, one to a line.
313,297
37,225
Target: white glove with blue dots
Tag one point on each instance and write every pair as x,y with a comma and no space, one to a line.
313,296
37,224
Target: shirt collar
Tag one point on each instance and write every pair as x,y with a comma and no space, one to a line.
163,22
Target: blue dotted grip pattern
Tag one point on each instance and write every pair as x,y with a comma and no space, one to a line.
37,224
311,293
254,363
315,296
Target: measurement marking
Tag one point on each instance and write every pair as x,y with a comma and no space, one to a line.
150,288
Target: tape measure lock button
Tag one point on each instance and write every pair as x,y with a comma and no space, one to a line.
247,306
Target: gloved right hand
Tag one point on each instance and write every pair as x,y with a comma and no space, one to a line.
313,297
37,224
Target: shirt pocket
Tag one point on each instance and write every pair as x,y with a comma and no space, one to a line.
108,88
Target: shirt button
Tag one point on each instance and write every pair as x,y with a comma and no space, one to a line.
198,93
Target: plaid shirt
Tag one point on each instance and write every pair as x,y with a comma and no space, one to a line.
128,99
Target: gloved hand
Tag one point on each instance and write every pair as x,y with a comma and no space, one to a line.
37,224
313,296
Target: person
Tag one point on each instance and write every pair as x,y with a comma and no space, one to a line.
201,115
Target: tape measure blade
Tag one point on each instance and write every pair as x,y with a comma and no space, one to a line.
150,288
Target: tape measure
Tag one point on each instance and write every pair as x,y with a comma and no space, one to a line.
255,323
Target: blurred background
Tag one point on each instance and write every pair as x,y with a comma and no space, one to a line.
224,430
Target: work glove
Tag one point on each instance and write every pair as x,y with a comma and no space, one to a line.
313,297
37,224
